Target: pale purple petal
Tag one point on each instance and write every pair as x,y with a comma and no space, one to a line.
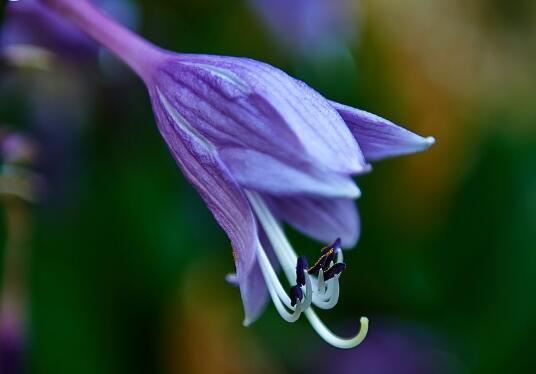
261,172
252,291
323,219
242,103
253,287
254,294
378,137
202,167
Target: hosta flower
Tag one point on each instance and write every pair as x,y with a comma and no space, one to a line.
261,148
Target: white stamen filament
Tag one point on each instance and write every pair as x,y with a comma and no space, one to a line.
332,296
287,256
271,277
321,284
333,339
308,292
275,234
328,294
323,294
277,293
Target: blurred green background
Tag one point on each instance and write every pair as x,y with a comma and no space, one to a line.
125,265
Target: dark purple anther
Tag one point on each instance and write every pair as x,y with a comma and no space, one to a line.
335,246
320,264
334,270
301,266
329,252
296,294
326,256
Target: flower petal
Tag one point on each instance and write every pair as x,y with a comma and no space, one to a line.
378,137
323,219
253,292
237,102
253,288
201,165
261,172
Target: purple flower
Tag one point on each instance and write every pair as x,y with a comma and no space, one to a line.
307,26
29,24
261,148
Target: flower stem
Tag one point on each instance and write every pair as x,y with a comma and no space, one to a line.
139,54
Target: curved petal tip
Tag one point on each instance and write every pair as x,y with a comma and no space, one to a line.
430,140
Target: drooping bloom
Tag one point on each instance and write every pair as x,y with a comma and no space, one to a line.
261,148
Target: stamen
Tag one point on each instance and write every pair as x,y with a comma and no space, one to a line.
289,317
296,294
324,291
270,277
308,292
328,296
331,250
287,258
327,288
321,263
326,256
332,296
340,256
321,285
300,267
278,295
334,270
333,339
337,244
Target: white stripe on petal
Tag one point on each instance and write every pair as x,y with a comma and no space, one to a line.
182,124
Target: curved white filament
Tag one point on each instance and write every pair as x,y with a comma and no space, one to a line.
270,277
275,235
333,339
332,295
278,295
308,292
321,286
